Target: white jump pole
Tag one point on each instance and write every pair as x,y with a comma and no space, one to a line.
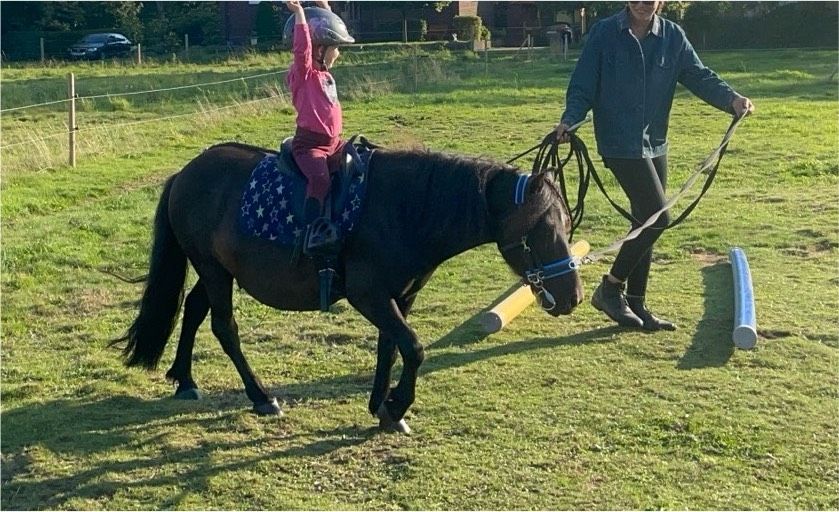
505,311
745,322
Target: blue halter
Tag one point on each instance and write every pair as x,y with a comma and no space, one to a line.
538,273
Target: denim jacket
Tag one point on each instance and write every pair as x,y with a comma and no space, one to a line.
630,85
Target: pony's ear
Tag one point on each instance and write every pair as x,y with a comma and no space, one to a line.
536,183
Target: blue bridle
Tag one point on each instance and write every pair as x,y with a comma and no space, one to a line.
538,273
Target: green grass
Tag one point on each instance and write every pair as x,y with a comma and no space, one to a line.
567,413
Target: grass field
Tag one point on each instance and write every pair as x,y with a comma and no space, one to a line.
566,413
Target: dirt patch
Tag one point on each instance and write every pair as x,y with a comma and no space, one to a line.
707,258
825,245
814,249
770,199
93,300
339,339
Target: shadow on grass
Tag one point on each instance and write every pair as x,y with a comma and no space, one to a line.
470,331
123,435
446,361
141,435
712,345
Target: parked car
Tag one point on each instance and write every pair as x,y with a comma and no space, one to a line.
100,46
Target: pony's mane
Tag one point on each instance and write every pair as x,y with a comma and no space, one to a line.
250,148
450,192
458,167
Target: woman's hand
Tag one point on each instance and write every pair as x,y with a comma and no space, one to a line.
742,105
562,135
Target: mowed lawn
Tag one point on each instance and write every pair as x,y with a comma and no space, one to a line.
550,413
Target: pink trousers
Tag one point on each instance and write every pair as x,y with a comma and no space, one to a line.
317,155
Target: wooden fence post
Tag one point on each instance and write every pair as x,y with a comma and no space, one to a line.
416,68
529,47
186,47
139,55
71,94
42,50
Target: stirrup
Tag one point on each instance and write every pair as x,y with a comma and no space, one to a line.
321,238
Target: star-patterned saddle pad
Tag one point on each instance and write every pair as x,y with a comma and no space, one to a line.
272,202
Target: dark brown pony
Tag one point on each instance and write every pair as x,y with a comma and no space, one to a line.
422,208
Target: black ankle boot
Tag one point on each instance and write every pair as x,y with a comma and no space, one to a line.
609,298
651,322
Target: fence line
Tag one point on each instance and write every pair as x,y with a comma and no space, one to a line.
179,87
35,105
113,95
165,118
143,121
40,139
175,116
243,78
73,127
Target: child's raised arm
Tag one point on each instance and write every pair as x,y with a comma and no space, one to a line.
302,44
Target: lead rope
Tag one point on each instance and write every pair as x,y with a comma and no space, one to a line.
708,166
547,160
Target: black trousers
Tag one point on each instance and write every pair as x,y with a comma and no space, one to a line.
644,181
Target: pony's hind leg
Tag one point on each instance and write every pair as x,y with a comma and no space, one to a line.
219,286
196,307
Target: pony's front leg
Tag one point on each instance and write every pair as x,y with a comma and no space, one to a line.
392,410
385,358
386,355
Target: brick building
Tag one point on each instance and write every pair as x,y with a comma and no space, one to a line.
509,22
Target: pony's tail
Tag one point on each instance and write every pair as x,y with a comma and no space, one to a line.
162,296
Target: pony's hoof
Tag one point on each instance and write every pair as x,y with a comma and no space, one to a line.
268,408
386,422
188,394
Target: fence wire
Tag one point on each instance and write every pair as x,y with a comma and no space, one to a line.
132,93
115,126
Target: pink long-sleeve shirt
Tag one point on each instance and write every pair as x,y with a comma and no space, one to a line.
313,92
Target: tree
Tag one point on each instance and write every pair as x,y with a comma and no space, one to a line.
126,17
61,16
20,15
413,7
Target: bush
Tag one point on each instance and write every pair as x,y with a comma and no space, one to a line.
417,30
762,25
467,27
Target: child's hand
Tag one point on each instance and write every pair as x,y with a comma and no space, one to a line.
294,6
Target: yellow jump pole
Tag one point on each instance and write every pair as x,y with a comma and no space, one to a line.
503,313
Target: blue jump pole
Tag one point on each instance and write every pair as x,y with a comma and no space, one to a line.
745,323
